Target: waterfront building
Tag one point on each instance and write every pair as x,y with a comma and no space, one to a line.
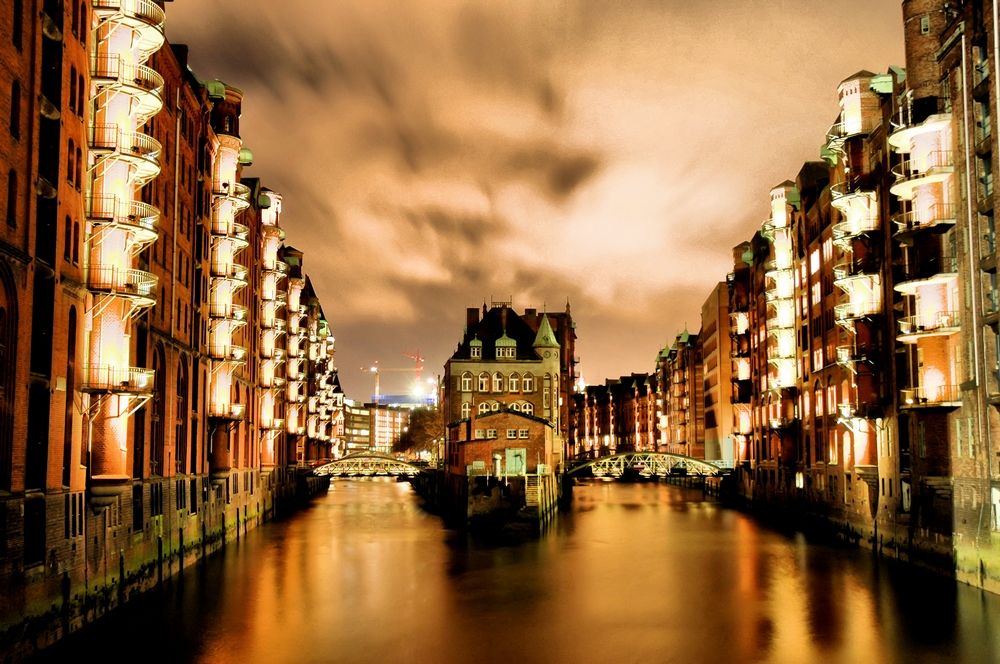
679,377
357,427
137,413
387,423
717,362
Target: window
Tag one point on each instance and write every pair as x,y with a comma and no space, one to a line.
70,162
516,407
75,23
480,433
76,243
83,23
995,502
484,407
80,92
527,384
514,382
466,410
491,433
511,433
495,406
498,382
15,109
12,198
72,89
527,408
547,386
17,23
79,168
925,25
475,352
68,239
984,123
986,175
484,382
467,382
522,434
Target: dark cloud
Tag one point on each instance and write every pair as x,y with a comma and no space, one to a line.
432,154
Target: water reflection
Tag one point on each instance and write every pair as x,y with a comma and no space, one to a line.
634,573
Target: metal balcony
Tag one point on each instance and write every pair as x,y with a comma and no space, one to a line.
278,267
936,167
106,379
140,151
839,133
227,353
136,217
135,285
233,272
225,311
942,396
234,412
855,269
141,83
851,311
926,271
274,424
144,17
769,229
938,218
942,323
845,231
235,232
274,323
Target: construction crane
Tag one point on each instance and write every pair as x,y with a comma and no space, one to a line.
417,369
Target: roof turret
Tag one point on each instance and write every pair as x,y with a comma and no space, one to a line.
545,338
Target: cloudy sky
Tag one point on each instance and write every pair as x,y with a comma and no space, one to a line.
434,154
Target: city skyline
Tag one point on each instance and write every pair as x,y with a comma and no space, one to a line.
418,149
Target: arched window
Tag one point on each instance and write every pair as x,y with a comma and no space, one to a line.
17,23
516,406
75,22
495,406
547,388
484,382
80,95
76,243
467,382
68,239
818,397
71,162
528,384
181,427
72,89
79,168
484,407
156,452
15,109
514,382
466,410
528,408
498,382
83,23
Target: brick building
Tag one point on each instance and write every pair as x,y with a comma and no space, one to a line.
142,419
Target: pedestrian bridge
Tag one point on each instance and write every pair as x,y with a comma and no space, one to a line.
649,464
365,464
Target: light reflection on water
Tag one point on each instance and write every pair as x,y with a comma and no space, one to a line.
634,573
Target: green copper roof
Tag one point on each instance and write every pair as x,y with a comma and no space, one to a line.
545,337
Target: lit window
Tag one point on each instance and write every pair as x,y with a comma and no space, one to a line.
467,382
466,410
475,352
528,384
498,382
484,382
514,382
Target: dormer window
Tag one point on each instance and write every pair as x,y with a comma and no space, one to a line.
475,352
504,352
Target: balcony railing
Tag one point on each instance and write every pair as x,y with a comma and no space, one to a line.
855,310
138,217
780,422
145,11
917,397
275,423
139,78
227,352
913,169
227,411
859,186
277,266
918,220
856,268
275,323
845,129
140,150
101,378
228,311
233,231
848,354
231,271
923,268
942,321
127,283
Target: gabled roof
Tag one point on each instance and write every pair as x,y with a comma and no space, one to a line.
545,338
497,323
864,73
511,411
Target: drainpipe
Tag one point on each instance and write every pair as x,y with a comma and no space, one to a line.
970,237
177,216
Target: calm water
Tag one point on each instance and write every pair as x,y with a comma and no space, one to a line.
635,573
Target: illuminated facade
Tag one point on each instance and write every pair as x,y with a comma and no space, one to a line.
137,416
619,416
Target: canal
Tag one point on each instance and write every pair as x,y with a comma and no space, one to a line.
633,573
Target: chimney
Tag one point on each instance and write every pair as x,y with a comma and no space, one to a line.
531,318
471,318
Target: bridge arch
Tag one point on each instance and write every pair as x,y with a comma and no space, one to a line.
367,464
648,464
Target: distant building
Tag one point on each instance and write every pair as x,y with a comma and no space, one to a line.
387,424
357,427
